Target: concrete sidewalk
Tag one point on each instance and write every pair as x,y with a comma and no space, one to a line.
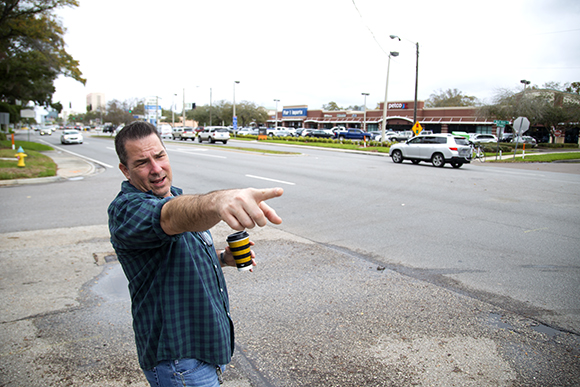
309,315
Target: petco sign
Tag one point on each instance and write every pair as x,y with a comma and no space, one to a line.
397,105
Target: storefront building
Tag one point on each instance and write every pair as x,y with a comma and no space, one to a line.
399,118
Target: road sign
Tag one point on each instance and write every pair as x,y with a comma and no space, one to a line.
27,113
417,128
521,125
500,123
235,123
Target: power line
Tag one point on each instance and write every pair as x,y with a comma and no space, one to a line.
368,28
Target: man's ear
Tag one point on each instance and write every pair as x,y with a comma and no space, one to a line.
124,169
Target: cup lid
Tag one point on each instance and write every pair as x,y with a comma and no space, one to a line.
238,235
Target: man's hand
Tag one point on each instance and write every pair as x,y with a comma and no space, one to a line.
229,257
246,208
239,208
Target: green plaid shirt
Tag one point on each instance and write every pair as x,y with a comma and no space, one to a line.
178,292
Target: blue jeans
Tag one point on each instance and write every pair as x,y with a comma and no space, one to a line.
184,373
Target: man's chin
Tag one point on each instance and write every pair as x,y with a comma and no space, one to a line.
161,190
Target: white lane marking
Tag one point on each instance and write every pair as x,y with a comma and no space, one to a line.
78,155
194,151
274,180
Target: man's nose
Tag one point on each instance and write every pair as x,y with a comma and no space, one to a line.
155,167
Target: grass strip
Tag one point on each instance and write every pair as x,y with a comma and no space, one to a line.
538,158
37,164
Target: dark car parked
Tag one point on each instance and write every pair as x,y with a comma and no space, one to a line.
319,134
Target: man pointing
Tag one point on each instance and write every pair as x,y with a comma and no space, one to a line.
181,318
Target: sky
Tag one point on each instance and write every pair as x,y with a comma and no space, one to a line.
312,52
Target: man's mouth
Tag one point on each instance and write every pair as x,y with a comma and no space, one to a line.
158,181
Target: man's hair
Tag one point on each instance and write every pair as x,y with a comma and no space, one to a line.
134,131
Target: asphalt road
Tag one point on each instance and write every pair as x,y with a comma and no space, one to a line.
399,260
506,234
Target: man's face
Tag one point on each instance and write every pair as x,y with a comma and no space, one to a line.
148,167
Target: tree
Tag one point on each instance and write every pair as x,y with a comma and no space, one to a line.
573,88
221,114
118,113
551,106
32,50
332,106
450,98
248,112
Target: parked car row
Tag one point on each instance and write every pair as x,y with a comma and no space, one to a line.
509,137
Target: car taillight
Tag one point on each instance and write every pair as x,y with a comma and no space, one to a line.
453,149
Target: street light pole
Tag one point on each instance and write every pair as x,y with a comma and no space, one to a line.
172,111
416,77
384,124
183,110
525,82
276,114
365,119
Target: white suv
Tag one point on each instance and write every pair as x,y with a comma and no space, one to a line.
435,148
213,134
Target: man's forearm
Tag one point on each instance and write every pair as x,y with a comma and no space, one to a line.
239,208
190,213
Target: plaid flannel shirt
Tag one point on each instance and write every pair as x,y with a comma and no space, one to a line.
179,298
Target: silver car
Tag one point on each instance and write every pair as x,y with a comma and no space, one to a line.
70,136
213,134
435,148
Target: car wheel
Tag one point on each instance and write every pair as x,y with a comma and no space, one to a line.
438,160
225,142
456,165
341,138
415,161
211,140
397,156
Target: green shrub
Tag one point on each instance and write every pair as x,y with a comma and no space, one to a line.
492,147
547,145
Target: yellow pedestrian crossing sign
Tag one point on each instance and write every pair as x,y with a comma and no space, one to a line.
417,128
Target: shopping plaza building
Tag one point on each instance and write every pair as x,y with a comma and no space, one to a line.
399,117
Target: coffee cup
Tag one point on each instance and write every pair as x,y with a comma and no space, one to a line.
239,243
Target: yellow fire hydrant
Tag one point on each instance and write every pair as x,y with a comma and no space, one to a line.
20,155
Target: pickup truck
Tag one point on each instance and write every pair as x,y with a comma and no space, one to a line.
400,136
278,131
353,134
